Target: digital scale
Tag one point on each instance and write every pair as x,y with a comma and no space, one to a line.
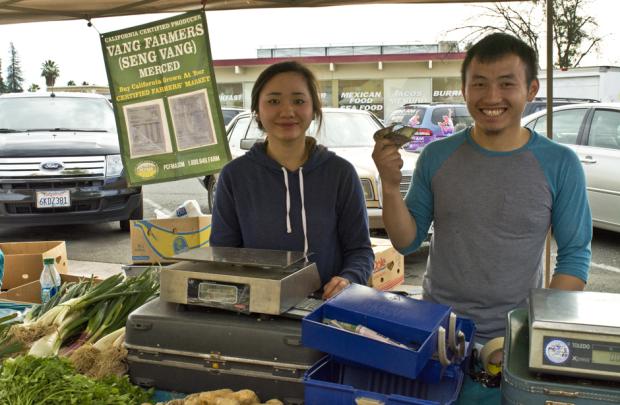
575,333
240,279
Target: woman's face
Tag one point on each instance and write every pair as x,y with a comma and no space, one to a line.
285,107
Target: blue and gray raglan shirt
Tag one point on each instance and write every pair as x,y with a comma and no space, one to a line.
491,212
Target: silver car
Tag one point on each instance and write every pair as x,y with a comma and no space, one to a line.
592,130
348,133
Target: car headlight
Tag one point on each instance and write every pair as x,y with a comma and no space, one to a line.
113,166
369,193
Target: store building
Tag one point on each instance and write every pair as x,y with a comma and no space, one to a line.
379,78
86,88
600,83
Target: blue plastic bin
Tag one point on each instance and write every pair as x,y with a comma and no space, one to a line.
403,319
337,383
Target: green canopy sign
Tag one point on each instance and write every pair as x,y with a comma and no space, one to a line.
165,99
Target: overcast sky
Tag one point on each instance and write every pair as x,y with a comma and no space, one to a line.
237,34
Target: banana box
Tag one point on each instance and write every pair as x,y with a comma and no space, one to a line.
389,269
152,240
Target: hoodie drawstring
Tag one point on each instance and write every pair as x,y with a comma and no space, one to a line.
288,202
303,207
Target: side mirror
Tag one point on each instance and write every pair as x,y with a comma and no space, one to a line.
246,144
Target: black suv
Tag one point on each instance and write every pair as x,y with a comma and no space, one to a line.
60,162
540,103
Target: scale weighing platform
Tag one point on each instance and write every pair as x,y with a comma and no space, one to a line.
240,279
575,333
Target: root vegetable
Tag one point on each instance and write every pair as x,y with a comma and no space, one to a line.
28,334
226,401
246,397
111,361
84,358
224,396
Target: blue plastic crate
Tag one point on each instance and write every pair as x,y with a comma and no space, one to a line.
337,383
403,319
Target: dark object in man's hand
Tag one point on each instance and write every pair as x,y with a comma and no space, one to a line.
397,134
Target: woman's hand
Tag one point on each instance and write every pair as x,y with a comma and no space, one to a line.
334,286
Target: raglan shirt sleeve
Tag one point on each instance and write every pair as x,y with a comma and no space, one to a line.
419,200
225,228
357,253
571,218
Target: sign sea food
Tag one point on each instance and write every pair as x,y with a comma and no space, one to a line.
165,99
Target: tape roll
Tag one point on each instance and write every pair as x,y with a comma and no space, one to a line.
492,346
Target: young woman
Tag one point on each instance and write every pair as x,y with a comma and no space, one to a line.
289,193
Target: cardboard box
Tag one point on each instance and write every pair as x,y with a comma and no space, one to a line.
155,240
31,292
23,261
389,268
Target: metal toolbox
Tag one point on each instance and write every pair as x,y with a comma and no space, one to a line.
190,349
520,386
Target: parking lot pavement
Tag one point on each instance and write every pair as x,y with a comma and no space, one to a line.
98,269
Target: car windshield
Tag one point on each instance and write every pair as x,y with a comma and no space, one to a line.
228,114
56,113
345,129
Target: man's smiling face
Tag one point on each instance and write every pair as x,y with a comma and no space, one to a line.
496,93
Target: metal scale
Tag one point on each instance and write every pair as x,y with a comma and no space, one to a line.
240,279
575,333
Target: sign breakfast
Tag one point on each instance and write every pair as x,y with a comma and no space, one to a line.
165,99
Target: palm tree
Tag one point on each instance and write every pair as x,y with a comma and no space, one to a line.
50,71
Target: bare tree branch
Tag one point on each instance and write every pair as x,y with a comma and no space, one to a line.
573,32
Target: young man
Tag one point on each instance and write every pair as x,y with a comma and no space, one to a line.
493,191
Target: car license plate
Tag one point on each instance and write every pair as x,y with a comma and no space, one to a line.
53,198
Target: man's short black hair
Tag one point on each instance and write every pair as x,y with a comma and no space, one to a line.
496,45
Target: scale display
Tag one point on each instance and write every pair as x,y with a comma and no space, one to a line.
563,352
231,296
575,333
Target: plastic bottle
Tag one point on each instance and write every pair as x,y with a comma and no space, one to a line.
50,280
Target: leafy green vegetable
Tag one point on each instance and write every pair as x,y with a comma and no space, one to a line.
28,380
8,345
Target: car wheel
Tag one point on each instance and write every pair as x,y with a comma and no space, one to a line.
138,213
211,184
